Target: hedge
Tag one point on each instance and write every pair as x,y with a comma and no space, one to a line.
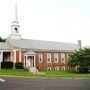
83,70
19,65
7,65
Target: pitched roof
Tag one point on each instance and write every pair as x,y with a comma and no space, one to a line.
43,45
4,46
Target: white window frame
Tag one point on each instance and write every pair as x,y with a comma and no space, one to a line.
67,57
48,57
57,68
55,57
63,68
49,68
40,56
63,57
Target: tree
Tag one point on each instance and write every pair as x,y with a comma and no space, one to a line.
2,40
80,59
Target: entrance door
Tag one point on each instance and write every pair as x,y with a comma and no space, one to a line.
31,60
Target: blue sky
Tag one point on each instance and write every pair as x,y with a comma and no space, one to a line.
52,20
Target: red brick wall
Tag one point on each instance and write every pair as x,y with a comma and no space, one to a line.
17,56
22,56
44,65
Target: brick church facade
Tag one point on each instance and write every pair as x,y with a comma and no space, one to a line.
43,55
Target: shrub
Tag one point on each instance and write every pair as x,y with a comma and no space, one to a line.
19,65
7,65
83,70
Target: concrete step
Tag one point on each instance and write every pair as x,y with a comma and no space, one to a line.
33,70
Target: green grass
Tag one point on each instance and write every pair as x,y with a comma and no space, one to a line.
16,73
50,74
65,74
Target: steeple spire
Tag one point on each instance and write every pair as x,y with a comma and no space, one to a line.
15,26
16,15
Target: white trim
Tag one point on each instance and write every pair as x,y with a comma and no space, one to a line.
26,61
55,57
67,57
40,57
63,68
34,61
1,56
49,57
63,57
57,68
14,56
11,56
49,68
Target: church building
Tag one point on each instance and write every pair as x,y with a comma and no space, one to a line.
43,55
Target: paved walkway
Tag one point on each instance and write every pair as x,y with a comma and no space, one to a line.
44,84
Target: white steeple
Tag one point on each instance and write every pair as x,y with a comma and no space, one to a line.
16,16
15,26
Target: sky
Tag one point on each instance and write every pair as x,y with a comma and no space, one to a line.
50,20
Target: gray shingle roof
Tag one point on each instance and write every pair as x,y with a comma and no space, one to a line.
43,45
4,45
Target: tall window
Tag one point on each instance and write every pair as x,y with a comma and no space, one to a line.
63,68
48,57
40,58
56,57
62,57
67,57
57,68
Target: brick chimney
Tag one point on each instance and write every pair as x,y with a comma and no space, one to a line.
79,44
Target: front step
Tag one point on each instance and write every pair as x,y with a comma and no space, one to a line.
33,70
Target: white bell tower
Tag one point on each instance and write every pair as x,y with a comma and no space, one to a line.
15,27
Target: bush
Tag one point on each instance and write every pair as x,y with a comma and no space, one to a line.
18,65
6,65
83,70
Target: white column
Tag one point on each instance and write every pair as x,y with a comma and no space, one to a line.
11,56
1,57
14,61
29,62
26,61
19,56
34,61
14,56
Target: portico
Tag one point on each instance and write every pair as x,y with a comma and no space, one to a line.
5,55
29,59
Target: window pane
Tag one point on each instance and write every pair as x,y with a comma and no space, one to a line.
40,57
62,57
56,57
48,57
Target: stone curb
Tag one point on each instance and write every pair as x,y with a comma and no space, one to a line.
37,77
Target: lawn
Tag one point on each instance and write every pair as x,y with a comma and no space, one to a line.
8,72
65,74
49,74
